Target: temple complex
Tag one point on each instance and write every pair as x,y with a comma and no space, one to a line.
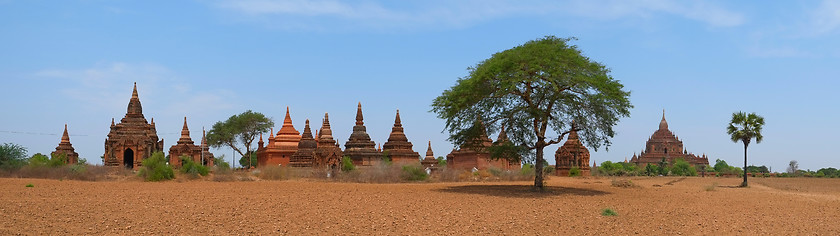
398,148
474,154
328,153
571,154
185,147
280,148
305,153
359,147
66,148
429,161
664,145
133,139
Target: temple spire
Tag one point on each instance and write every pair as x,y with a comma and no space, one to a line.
185,131
359,117
204,137
65,138
397,121
502,135
112,121
663,125
134,107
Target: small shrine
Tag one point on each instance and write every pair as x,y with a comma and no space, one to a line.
133,139
305,153
66,148
571,155
281,147
398,148
185,147
359,147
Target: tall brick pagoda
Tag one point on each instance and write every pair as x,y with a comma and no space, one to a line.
280,148
398,148
66,148
571,154
359,147
664,145
328,153
133,139
429,160
305,153
186,147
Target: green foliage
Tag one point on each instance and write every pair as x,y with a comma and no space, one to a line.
652,170
574,171
441,162
155,168
758,169
527,169
683,168
238,132
413,173
533,89
39,160
245,163
12,156
743,128
721,166
30,185
608,212
220,163
619,169
57,160
188,166
386,158
828,172
347,164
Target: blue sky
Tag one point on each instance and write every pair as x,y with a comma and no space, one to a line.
75,62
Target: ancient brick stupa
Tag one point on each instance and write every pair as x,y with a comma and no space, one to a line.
664,145
429,161
328,153
66,148
305,153
359,147
185,147
398,148
474,154
571,154
280,148
133,139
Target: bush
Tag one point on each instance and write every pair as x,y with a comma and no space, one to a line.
347,164
155,169
608,212
188,166
574,171
683,168
414,173
441,162
219,164
527,169
624,183
12,156
30,185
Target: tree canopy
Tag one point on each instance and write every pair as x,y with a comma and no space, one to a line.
12,156
539,91
239,131
744,127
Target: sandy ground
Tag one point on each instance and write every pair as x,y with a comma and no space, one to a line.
572,206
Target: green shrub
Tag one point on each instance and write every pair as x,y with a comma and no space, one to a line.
413,173
574,171
608,212
441,162
38,160
527,169
347,164
188,166
78,168
683,168
155,168
30,185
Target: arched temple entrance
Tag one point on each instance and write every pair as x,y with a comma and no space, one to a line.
128,158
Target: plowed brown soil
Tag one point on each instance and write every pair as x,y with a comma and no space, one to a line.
571,206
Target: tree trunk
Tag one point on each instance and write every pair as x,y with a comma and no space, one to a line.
538,178
744,184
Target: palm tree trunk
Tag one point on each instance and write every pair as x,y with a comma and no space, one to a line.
744,184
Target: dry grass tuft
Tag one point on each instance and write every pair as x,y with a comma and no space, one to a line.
623,183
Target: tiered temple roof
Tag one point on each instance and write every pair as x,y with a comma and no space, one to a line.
280,148
66,148
398,148
429,160
571,154
664,145
305,153
474,154
359,147
328,153
186,147
133,139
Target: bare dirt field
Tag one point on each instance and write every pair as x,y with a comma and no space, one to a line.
571,206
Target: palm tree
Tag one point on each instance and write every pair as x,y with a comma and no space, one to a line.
744,127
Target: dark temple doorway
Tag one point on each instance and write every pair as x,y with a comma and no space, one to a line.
128,159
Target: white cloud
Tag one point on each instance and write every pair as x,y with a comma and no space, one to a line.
826,17
319,14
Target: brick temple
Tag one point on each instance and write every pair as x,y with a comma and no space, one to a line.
474,154
664,145
328,154
398,148
571,154
185,147
281,147
305,153
359,147
66,148
133,139
429,160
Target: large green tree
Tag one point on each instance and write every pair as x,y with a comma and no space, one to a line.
238,132
12,156
745,127
539,91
